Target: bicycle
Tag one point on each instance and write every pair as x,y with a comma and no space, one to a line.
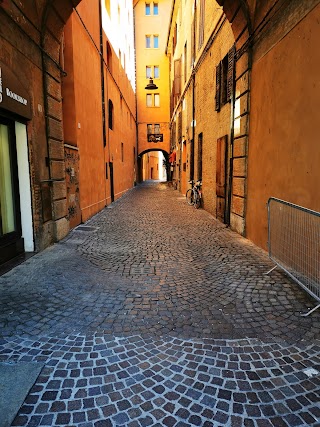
193,195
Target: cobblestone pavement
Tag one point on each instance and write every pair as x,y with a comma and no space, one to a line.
155,314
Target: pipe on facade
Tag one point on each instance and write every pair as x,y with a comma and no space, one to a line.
230,152
103,103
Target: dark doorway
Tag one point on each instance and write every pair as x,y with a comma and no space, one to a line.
221,178
11,242
111,181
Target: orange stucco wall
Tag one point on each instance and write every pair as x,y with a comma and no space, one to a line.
284,150
83,115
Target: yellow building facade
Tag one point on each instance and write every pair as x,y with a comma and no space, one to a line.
200,131
153,105
244,90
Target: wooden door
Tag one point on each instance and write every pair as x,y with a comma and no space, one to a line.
221,177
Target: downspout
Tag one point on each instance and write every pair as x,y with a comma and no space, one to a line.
103,98
193,97
230,152
137,160
193,127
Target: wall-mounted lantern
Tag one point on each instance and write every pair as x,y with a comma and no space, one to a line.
151,85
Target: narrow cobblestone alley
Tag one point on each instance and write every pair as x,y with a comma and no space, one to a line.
155,314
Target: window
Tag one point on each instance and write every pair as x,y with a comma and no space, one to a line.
153,128
225,79
201,23
155,9
154,74
149,100
153,100
177,81
175,36
193,40
148,9
156,100
122,151
148,72
110,114
109,57
155,42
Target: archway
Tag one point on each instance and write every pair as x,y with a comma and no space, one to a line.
153,164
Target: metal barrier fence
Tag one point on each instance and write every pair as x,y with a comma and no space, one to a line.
294,244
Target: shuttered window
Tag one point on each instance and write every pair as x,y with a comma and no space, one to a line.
225,79
177,77
201,23
218,86
230,72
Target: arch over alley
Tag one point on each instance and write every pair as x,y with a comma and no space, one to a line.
151,165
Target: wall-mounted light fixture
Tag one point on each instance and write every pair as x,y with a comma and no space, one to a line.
151,85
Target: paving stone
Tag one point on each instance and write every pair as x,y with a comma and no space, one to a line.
153,321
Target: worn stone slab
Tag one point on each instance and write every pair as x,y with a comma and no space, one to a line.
15,382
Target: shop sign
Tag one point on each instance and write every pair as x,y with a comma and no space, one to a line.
13,95
155,137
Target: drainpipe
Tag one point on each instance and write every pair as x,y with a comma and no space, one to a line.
230,152
137,160
103,97
193,97
193,126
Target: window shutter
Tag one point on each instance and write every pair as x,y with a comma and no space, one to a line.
218,86
201,23
177,77
193,42
230,73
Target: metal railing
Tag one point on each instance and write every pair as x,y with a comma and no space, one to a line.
294,244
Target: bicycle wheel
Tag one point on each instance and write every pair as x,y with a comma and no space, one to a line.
197,200
189,196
